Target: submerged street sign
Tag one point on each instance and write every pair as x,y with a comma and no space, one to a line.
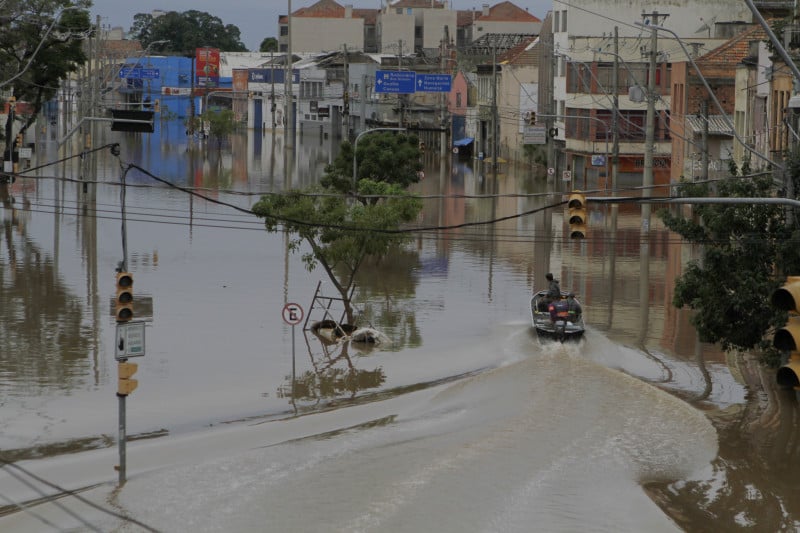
395,81
433,83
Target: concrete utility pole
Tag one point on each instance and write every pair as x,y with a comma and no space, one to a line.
494,111
346,98
614,116
704,142
651,19
288,115
401,97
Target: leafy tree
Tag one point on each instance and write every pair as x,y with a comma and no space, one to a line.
383,157
186,32
748,248
341,233
269,44
220,124
41,43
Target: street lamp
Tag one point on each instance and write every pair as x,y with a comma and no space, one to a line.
355,145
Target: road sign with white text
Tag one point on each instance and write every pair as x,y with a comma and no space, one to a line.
434,83
395,81
138,73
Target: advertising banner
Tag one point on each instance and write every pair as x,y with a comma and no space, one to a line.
207,67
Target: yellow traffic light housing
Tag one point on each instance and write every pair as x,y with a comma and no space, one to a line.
532,118
787,338
123,302
577,215
126,385
157,105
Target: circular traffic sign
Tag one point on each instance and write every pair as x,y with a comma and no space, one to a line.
455,149
551,171
292,314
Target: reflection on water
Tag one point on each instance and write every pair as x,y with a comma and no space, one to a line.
218,282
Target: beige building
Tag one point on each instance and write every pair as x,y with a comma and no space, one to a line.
327,26
504,17
403,26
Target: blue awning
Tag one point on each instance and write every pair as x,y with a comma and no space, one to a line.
463,142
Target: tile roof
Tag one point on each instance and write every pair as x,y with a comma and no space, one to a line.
331,9
464,17
522,53
716,124
509,12
735,49
418,3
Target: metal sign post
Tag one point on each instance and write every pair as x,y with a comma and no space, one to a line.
292,315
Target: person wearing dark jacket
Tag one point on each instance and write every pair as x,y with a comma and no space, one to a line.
553,292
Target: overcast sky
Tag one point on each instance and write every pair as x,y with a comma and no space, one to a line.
257,19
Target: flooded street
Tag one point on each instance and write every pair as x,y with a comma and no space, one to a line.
464,420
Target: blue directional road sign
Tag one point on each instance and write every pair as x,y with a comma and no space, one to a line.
138,73
433,83
395,81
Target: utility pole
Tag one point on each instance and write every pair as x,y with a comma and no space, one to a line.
272,106
346,98
704,142
443,61
401,97
289,111
614,116
650,125
494,110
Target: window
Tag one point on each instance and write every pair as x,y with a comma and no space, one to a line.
556,21
418,32
458,99
284,30
564,20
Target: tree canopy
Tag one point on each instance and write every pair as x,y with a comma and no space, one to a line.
748,249
343,227
185,32
269,44
41,43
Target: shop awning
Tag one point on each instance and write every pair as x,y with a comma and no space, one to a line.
463,142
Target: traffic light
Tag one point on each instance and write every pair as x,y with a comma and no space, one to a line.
422,147
532,118
786,338
125,371
19,140
157,105
123,303
577,215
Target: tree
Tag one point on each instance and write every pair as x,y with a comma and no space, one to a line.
41,43
383,157
341,233
269,44
220,124
747,251
186,32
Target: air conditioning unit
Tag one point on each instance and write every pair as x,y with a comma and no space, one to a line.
636,94
794,102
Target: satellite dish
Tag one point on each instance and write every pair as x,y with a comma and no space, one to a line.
707,25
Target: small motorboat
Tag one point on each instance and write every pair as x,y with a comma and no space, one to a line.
560,325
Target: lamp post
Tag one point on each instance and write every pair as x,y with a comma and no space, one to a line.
355,145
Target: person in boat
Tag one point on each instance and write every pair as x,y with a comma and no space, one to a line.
574,310
559,310
553,292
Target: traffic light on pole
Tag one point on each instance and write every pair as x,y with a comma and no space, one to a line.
786,338
123,303
577,215
125,371
532,118
157,105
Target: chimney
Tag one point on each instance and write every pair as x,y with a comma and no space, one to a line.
485,10
348,11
